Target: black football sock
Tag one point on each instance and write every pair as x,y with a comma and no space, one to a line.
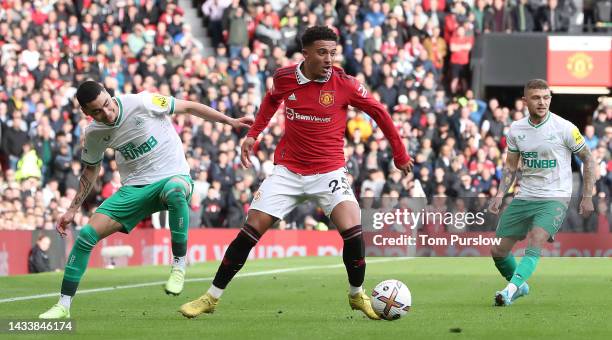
236,256
353,255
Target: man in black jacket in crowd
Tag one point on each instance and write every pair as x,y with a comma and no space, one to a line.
38,261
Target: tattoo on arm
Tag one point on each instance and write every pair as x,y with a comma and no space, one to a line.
508,177
588,171
509,172
85,184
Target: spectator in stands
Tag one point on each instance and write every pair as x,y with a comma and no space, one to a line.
479,11
29,166
38,259
267,33
61,165
111,187
353,38
590,138
359,128
374,15
195,211
460,47
498,18
603,15
601,122
388,93
14,137
454,19
522,17
213,10
237,33
73,176
375,42
437,50
212,209
495,126
550,18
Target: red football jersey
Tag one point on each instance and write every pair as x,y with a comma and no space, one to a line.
315,123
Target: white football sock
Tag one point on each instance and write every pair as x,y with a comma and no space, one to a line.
355,290
65,300
511,287
215,292
179,262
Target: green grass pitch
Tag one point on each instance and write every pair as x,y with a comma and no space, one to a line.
571,298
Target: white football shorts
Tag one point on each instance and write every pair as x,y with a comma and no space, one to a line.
282,191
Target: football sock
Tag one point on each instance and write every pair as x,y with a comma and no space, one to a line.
179,262
65,300
355,290
78,259
236,255
353,255
506,265
511,288
215,292
527,266
175,195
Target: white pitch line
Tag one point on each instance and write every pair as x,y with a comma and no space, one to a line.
148,284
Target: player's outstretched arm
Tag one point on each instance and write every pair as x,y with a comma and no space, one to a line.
88,179
208,113
508,177
588,180
359,98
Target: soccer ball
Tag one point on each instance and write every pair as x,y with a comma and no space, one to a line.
391,299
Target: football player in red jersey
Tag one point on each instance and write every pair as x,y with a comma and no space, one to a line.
309,162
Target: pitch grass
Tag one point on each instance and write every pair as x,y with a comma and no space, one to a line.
452,299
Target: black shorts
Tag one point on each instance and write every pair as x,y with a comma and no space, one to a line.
458,71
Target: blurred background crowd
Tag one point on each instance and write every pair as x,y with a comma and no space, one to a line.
413,56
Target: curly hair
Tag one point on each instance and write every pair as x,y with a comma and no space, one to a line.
315,33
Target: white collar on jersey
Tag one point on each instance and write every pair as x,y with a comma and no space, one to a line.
301,78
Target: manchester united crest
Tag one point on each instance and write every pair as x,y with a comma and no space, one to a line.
580,65
326,98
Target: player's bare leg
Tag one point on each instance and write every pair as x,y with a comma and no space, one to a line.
347,217
236,255
99,227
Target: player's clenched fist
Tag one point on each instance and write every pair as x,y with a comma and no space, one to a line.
247,146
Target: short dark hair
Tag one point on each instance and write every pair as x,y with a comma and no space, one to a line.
88,92
315,33
536,84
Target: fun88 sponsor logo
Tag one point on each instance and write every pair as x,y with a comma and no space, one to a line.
292,115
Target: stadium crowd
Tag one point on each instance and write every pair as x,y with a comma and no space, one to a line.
412,55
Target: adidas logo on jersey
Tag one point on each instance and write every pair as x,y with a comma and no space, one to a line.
292,97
